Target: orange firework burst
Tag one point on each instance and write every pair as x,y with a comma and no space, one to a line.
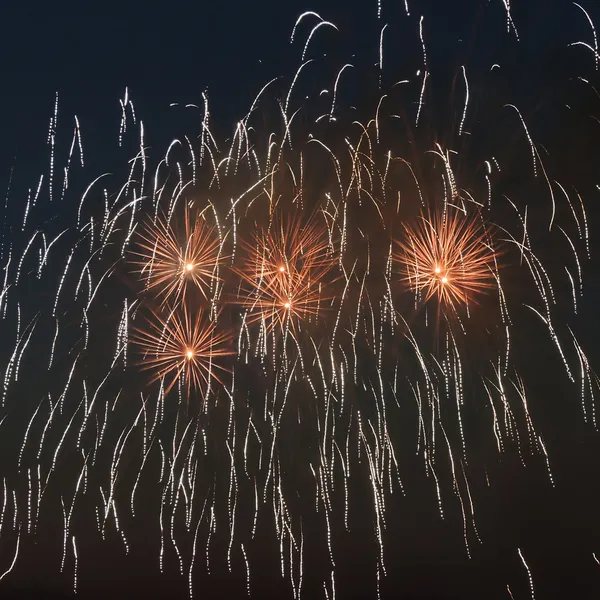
448,256
283,275
170,259
183,345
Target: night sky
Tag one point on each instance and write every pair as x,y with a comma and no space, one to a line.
166,53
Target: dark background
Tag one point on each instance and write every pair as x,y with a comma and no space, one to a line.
172,52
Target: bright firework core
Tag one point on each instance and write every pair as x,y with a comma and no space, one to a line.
190,354
443,278
189,266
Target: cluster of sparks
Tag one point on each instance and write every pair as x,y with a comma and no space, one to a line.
449,258
305,291
285,274
182,346
170,262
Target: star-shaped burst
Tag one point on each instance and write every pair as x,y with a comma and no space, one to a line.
285,273
171,258
183,345
448,256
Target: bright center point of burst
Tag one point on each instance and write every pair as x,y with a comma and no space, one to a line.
444,280
287,305
189,354
437,270
189,266
281,269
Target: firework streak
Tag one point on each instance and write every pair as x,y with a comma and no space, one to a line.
237,335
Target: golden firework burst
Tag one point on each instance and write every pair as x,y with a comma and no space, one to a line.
171,258
183,345
448,256
285,273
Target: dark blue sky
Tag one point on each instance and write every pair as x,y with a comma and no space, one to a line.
171,52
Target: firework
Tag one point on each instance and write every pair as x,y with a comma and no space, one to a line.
448,256
287,273
333,387
183,345
172,258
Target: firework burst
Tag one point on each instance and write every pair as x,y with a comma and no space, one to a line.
286,273
448,256
171,259
183,345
